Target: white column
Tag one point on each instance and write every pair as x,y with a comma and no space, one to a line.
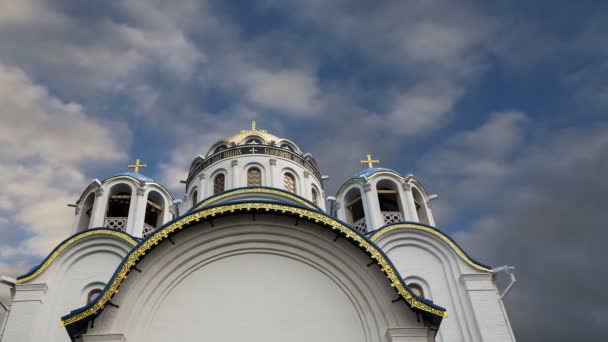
137,213
98,214
235,174
407,200
373,217
491,319
24,318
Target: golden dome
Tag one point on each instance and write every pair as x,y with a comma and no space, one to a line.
253,136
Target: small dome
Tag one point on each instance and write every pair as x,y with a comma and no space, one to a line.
253,137
137,176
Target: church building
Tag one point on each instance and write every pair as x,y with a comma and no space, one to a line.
256,251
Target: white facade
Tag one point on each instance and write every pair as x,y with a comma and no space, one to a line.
256,257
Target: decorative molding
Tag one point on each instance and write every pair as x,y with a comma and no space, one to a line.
234,162
273,161
306,174
411,226
406,186
202,176
36,271
367,187
76,211
145,246
141,191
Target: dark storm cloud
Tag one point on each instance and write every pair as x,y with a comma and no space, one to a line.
545,214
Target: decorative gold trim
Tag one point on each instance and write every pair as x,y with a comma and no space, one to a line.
317,217
49,260
254,190
438,234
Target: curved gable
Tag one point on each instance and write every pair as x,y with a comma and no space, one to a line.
376,235
429,311
61,247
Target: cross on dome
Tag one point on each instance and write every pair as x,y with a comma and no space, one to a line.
137,165
370,162
253,128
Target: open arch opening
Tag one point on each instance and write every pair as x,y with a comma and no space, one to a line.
155,208
85,212
391,207
355,214
421,208
119,203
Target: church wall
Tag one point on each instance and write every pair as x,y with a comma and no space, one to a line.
39,303
263,280
474,309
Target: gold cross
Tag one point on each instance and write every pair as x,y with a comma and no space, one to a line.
369,161
253,128
253,150
137,165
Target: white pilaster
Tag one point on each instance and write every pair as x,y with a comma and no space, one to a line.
491,319
407,334
235,174
202,186
272,171
26,309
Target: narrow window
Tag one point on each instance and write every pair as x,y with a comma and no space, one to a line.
416,289
290,182
92,295
194,197
315,196
219,183
254,177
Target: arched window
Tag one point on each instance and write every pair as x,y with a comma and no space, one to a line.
155,209
220,148
85,212
355,214
93,294
219,183
390,203
416,289
194,197
254,177
290,182
119,202
315,196
421,209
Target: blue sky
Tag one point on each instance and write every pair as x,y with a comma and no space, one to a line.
500,108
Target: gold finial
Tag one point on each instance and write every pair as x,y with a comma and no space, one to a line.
369,161
253,125
137,165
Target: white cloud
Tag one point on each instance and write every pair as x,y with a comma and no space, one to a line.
45,144
423,107
292,91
